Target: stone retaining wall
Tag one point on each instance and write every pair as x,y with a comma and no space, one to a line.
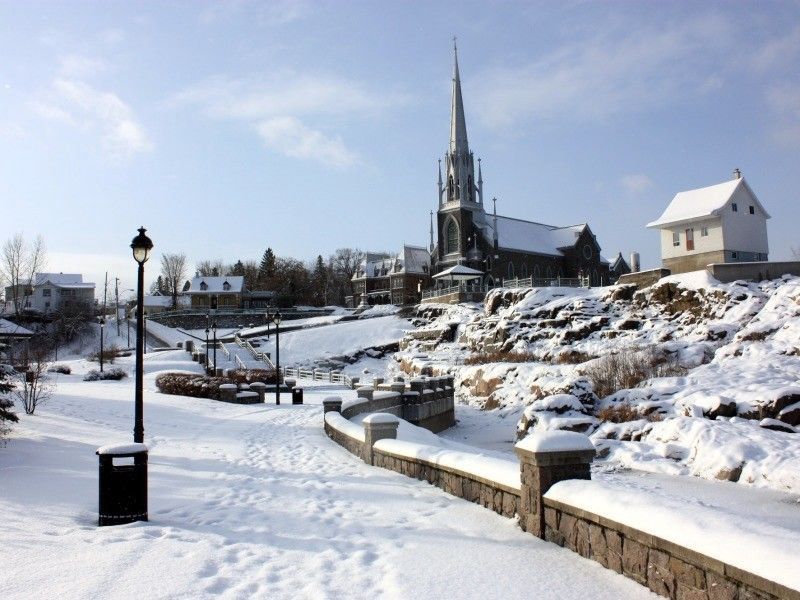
666,568
490,494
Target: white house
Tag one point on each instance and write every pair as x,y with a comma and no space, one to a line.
51,292
721,223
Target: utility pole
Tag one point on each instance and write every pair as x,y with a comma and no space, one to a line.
105,302
116,302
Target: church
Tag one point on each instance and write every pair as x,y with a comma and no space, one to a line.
500,247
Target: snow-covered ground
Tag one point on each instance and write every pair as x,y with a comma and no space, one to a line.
250,502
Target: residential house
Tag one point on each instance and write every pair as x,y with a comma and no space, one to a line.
722,223
385,279
52,292
212,293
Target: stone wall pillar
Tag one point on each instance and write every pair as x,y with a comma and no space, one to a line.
365,392
259,388
332,404
227,392
546,458
378,426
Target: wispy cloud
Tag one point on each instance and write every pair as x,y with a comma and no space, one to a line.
636,184
784,101
283,110
275,12
289,136
614,69
73,101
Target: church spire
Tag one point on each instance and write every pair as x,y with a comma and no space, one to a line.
458,124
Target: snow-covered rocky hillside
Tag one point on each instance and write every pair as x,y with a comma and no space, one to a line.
688,376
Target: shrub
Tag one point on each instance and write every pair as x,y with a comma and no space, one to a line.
498,357
107,374
573,357
109,354
63,369
188,384
629,368
622,413
251,375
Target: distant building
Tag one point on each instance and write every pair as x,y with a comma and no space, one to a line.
500,247
52,292
722,223
385,279
216,292
225,292
156,303
618,268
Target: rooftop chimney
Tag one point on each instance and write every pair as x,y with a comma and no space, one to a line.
737,174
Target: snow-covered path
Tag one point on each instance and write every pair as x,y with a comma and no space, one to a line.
252,502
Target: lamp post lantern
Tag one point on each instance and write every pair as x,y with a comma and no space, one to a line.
141,246
277,320
102,325
214,329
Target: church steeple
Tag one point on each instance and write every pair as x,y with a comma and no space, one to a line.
458,123
459,185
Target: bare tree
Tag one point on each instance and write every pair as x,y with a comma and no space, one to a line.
173,273
19,262
34,385
211,268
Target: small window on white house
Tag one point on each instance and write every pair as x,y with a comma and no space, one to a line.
676,238
752,209
46,292
734,255
704,232
734,208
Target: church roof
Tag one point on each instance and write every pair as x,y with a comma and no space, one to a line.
535,238
701,203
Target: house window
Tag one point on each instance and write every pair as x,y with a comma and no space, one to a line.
704,232
676,238
587,252
451,237
226,286
690,239
203,286
752,209
46,292
734,255
510,270
734,208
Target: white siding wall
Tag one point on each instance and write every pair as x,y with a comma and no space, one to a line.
744,232
710,243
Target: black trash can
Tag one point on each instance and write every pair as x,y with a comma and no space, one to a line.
123,484
297,395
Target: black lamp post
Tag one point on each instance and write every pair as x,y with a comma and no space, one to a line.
207,332
277,320
141,246
102,325
214,329
266,316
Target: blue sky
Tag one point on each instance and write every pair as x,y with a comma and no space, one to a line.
307,126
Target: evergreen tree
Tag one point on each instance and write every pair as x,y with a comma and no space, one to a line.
238,268
320,282
267,269
7,415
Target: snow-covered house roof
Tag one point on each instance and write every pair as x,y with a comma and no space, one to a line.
375,264
230,284
702,203
12,330
158,300
459,273
62,280
413,259
528,236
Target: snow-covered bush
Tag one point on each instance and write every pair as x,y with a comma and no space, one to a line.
187,384
628,368
107,374
63,369
109,354
251,375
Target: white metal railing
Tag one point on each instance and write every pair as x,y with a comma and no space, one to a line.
319,375
546,282
453,289
239,362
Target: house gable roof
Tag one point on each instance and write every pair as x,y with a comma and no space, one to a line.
216,285
62,280
702,203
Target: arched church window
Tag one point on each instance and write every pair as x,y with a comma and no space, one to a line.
451,237
470,188
510,270
536,271
451,188
523,271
